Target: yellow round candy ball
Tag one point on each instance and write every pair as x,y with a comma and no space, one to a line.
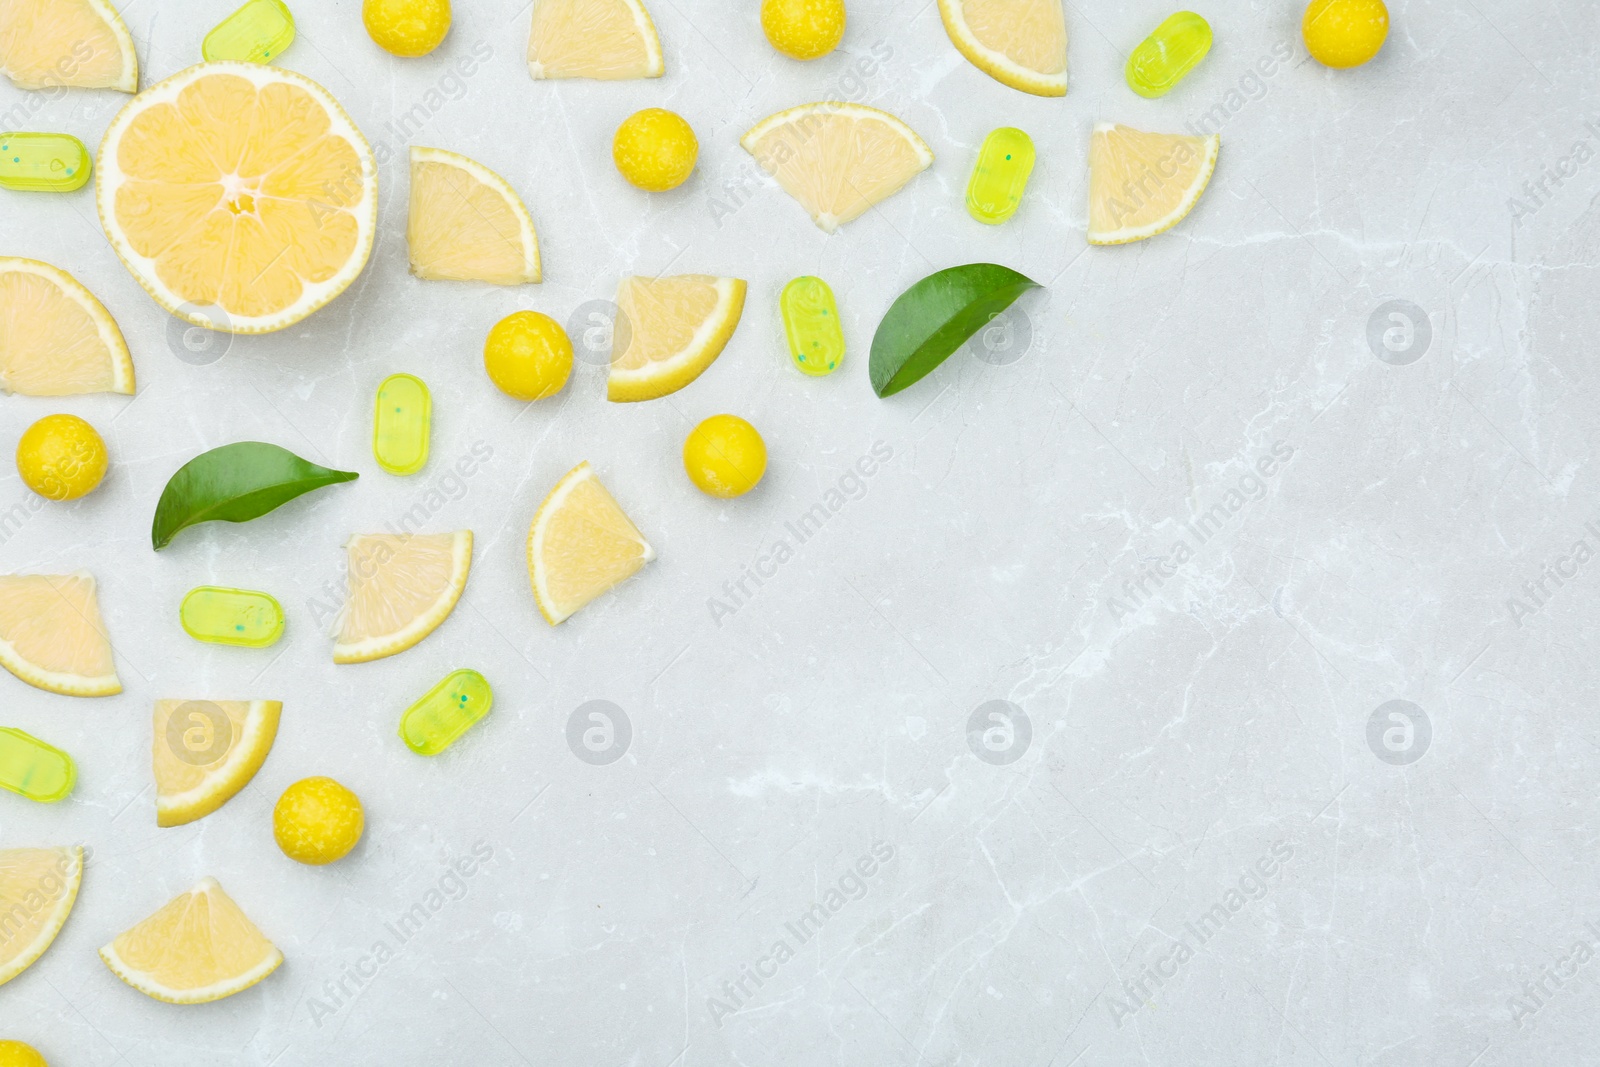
317,821
20,1054
803,29
725,456
408,28
655,149
1344,33
528,356
61,457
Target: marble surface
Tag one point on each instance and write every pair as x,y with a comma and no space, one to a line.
1355,386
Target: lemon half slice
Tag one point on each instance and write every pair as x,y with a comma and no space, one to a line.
241,196
837,159
580,545
466,224
1142,184
205,751
1020,43
85,43
38,887
197,949
56,339
606,39
668,331
51,635
401,587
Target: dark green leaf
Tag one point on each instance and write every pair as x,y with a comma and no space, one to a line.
235,483
935,317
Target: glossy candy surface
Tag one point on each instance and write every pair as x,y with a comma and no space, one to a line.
400,424
31,768
231,616
256,33
445,712
811,324
994,192
43,162
1162,59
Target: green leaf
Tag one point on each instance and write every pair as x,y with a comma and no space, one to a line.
935,317
235,483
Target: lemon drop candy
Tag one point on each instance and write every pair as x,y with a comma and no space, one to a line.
1170,52
256,33
811,325
43,162
317,821
33,769
724,456
222,616
20,1054
445,712
1000,175
400,424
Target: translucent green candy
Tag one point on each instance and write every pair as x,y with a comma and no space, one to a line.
1173,50
256,33
400,427
43,162
231,616
31,768
433,723
811,323
994,192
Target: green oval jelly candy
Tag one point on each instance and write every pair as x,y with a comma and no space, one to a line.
31,768
231,616
1172,51
43,162
445,712
811,324
994,192
400,425
256,33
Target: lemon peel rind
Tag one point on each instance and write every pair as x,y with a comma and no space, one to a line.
110,178
48,933
532,268
385,645
997,65
1128,235
536,571
664,377
238,768
122,376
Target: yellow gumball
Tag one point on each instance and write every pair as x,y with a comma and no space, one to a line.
655,149
61,457
725,456
19,1054
1344,33
317,821
528,356
803,29
408,28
